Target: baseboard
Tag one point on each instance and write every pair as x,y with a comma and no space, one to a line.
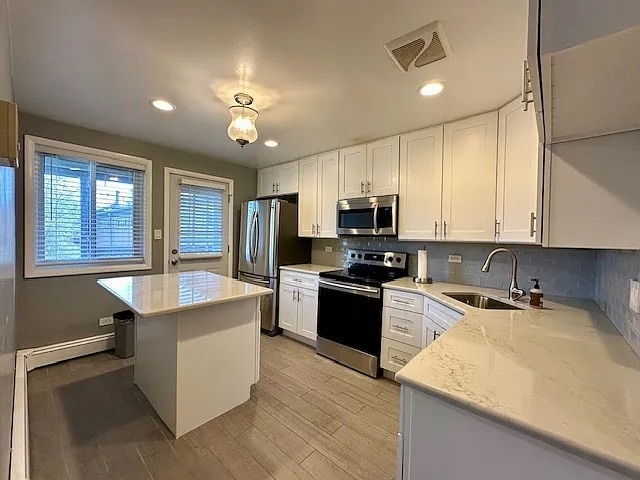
30,359
299,338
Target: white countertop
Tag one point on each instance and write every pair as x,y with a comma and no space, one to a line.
150,295
309,268
562,373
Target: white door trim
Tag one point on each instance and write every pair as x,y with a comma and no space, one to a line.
168,171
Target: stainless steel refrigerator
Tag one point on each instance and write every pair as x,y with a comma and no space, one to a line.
269,240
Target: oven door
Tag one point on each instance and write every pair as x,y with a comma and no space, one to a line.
368,216
350,315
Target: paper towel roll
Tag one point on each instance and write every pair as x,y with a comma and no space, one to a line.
422,264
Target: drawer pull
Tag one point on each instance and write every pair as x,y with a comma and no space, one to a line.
403,302
400,327
399,359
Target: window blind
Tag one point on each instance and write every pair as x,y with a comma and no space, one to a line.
201,227
87,211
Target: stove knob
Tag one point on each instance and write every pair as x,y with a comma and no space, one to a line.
359,255
398,259
353,255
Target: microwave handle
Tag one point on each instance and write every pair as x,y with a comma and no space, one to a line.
375,218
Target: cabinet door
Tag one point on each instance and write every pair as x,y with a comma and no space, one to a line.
288,308
431,331
469,179
266,182
519,175
327,195
353,172
307,313
383,161
308,197
420,200
287,178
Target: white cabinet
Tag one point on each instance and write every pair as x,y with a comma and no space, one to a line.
308,197
395,355
469,178
420,199
278,180
383,166
298,312
353,172
318,196
519,175
369,170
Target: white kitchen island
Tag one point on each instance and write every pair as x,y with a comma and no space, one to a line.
197,342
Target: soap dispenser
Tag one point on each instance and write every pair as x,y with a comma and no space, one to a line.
535,294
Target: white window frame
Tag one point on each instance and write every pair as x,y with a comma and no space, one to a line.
191,176
36,144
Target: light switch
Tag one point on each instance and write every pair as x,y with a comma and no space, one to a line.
455,258
634,295
157,234
328,249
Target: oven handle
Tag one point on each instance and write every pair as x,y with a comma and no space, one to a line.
346,288
375,218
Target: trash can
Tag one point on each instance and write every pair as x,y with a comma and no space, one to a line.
123,325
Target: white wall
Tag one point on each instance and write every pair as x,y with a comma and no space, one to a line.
6,88
566,23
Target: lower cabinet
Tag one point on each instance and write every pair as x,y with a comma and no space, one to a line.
298,312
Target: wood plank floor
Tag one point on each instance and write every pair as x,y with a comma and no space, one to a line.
308,418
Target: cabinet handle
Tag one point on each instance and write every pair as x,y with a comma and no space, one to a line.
293,295
435,229
273,188
526,85
368,187
532,220
362,188
444,227
402,302
277,187
497,230
435,335
400,327
399,360
313,229
318,229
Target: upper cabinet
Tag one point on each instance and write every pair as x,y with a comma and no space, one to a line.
469,179
519,176
420,199
318,196
278,180
369,170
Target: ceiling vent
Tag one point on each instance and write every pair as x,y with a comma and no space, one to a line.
420,47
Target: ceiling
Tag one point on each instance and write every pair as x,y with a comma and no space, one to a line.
317,68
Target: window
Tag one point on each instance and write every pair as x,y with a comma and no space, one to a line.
86,210
201,229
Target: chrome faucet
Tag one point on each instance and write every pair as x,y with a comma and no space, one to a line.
514,292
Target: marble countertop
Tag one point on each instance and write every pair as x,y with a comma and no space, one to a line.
150,295
563,373
309,268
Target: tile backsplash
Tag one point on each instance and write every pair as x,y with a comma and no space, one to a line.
562,272
614,269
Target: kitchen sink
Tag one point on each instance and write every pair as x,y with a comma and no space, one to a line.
479,300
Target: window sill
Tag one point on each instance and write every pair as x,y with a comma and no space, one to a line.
65,271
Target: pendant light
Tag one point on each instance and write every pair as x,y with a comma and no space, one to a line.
242,128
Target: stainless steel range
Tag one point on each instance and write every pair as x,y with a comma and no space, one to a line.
350,308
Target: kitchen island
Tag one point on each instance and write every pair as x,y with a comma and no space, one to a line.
528,394
197,342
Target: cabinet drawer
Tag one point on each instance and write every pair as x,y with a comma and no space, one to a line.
402,326
441,315
410,302
396,355
299,279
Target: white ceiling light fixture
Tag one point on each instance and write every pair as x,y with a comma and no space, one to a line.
163,105
430,89
271,143
242,128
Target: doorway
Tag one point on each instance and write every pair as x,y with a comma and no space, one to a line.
198,222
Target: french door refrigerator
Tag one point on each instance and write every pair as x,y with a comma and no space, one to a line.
269,240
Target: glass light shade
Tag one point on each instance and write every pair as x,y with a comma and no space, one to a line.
242,128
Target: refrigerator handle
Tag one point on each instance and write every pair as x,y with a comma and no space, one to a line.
252,238
257,241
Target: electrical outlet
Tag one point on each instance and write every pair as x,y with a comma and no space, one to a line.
634,295
328,249
455,258
157,234
104,321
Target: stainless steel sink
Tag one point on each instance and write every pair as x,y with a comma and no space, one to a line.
479,300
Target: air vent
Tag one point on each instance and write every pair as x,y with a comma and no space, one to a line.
420,47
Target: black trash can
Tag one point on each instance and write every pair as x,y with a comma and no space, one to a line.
123,326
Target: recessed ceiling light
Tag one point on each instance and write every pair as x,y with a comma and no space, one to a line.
163,105
271,143
431,88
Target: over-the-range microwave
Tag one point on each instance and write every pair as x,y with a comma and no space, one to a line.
368,216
